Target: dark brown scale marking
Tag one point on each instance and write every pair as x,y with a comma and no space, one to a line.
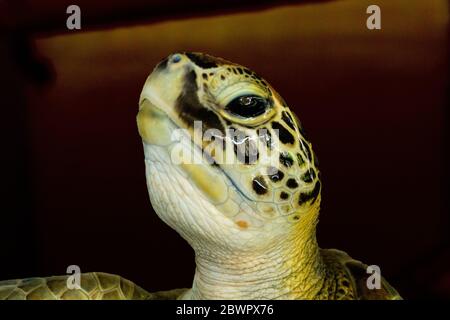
202,60
286,159
274,174
300,160
309,176
240,71
245,149
257,76
259,185
305,197
265,136
288,120
190,109
205,76
219,140
284,134
222,77
284,195
291,183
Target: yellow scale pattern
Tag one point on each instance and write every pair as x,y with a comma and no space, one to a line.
94,286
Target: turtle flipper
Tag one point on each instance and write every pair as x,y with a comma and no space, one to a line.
94,286
352,274
358,271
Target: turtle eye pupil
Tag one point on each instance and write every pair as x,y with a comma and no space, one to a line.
248,106
246,101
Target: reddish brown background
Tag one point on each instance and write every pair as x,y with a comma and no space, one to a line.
373,103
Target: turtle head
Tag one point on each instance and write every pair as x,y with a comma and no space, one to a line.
227,162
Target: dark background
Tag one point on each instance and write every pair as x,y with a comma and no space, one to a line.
374,103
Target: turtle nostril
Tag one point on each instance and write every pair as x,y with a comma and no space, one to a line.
176,58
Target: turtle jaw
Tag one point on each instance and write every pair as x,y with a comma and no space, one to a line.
157,128
154,125
159,124
215,202
157,118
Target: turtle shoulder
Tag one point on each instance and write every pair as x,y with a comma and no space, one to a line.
93,286
358,274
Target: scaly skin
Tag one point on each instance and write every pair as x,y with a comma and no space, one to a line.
252,229
248,202
93,286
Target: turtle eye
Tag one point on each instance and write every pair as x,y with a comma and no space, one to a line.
247,106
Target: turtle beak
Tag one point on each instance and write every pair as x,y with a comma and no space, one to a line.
154,125
157,114
165,83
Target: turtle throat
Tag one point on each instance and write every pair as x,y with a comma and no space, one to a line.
291,268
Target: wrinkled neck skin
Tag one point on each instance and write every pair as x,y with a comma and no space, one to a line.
291,268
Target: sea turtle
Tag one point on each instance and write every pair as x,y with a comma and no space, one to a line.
229,167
